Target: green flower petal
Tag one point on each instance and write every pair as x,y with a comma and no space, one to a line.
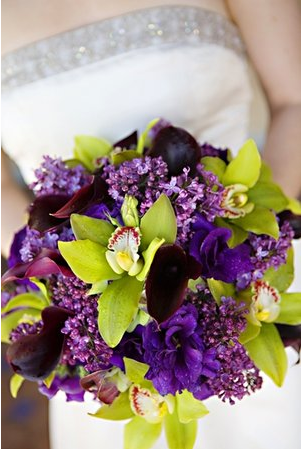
88,149
260,221
179,435
94,229
189,408
290,309
140,434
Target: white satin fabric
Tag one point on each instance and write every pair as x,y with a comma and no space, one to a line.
204,88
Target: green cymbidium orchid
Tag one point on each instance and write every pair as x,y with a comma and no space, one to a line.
106,252
149,412
250,199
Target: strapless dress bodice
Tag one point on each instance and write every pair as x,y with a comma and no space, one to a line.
183,63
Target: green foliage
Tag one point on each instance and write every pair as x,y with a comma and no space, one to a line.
220,288
290,309
88,149
189,408
268,353
259,221
117,411
179,435
94,229
117,307
214,165
268,194
15,383
140,434
87,260
281,278
159,221
245,167
26,300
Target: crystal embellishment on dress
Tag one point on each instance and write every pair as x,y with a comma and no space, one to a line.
153,27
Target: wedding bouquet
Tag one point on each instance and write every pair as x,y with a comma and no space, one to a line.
152,273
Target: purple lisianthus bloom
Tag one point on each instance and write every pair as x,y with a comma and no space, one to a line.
209,247
177,356
69,385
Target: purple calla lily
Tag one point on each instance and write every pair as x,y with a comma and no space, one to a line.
45,263
34,357
41,212
209,247
177,148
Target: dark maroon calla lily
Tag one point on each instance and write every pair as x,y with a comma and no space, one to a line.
293,219
88,195
177,148
129,142
290,335
41,210
35,356
167,281
96,382
47,262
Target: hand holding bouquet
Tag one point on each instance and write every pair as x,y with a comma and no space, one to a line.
152,273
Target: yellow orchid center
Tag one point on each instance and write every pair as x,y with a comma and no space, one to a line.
147,405
235,201
265,302
122,254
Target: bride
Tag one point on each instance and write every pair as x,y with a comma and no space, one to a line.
120,64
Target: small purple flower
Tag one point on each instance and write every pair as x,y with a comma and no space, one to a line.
69,385
209,247
177,355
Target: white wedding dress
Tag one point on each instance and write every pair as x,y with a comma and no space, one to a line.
189,66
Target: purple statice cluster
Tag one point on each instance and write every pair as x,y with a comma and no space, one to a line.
147,178
221,327
53,177
30,328
141,178
266,253
84,344
177,355
188,195
34,241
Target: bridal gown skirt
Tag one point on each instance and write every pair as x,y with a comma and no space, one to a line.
268,419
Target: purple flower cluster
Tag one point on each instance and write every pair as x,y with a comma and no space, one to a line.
84,344
266,252
53,177
140,177
221,327
177,355
26,329
34,241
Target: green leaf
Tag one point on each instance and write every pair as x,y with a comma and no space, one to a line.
250,332
25,300
220,288
15,383
189,408
119,409
214,165
98,287
140,434
294,206
149,256
239,235
88,149
117,307
179,435
268,194
268,353
159,221
266,174
12,319
43,289
260,221
127,155
48,381
94,229
135,371
87,260
283,277
290,309
245,167
144,140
